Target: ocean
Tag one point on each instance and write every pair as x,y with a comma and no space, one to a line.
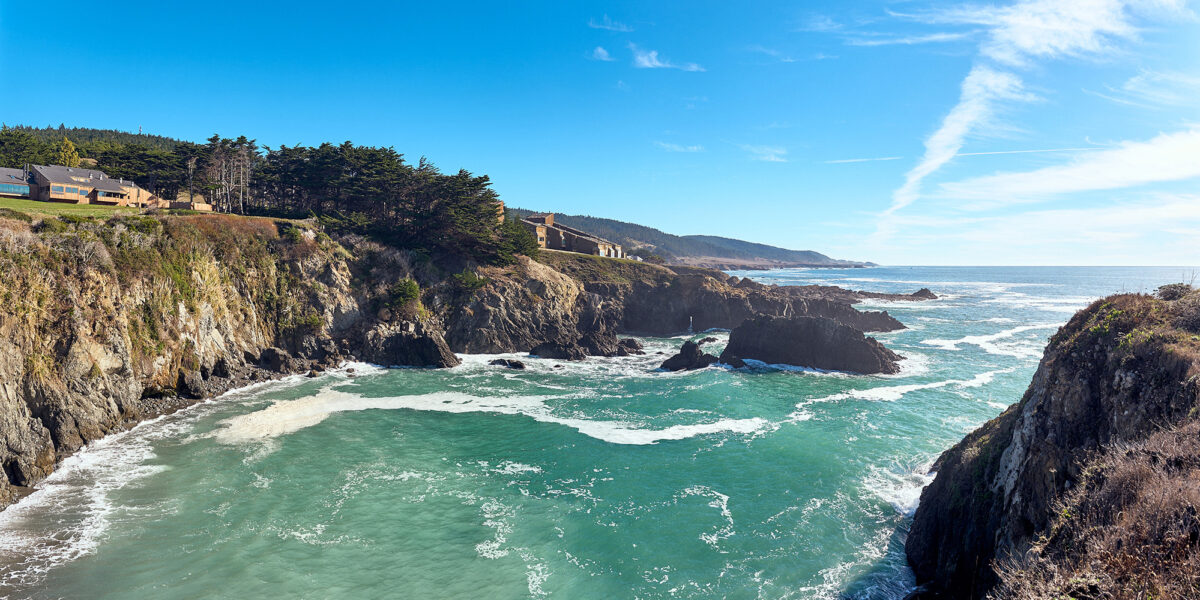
601,479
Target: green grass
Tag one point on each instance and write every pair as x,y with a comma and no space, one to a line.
55,209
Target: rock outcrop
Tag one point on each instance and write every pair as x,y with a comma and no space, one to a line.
689,358
813,342
1119,371
104,324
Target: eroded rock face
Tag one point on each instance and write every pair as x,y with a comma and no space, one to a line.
407,344
813,342
996,490
689,358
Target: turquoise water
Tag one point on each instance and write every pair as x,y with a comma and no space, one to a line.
603,479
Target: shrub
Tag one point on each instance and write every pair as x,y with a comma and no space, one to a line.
75,219
51,226
403,292
8,213
1173,291
142,225
1186,313
468,281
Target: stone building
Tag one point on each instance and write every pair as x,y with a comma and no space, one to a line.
556,236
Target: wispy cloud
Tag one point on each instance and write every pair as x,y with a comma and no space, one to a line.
601,54
1167,157
1016,36
773,53
859,160
992,153
765,153
649,59
911,40
609,24
1153,89
982,88
669,147
820,24
1031,29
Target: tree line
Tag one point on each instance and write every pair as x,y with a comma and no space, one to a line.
368,190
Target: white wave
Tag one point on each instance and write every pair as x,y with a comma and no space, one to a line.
988,343
720,502
77,492
894,392
289,416
900,488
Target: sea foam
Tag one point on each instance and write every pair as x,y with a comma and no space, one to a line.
289,416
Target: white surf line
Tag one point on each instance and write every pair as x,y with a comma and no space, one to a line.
290,416
987,342
892,393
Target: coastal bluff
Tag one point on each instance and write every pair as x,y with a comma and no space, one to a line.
1089,487
108,322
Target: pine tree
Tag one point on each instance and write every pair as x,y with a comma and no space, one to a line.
67,155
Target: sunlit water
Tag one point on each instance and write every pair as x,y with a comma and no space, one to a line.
604,479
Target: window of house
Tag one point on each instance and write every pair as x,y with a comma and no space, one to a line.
83,191
72,190
56,188
14,188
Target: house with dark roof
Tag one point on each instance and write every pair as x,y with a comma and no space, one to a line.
556,236
54,183
14,183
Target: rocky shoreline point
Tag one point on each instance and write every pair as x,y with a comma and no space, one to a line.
1089,487
108,323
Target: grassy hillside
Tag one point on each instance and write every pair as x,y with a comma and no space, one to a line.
637,238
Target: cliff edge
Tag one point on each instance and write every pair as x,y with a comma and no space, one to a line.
997,520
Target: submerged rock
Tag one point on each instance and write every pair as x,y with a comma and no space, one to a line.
629,347
813,342
690,357
507,363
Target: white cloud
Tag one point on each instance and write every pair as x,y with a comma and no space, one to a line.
601,54
1167,157
678,148
648,59
907,40
1150,89
765,153
609,24
1016,36
1044,28
982,88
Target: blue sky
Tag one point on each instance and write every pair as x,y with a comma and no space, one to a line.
903,132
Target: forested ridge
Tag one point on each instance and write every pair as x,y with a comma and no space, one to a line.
357,189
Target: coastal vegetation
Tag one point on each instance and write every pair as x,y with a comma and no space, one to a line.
366,190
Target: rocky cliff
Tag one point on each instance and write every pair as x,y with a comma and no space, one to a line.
1121,371
103,324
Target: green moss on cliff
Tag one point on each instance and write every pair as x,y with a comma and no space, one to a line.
598,269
